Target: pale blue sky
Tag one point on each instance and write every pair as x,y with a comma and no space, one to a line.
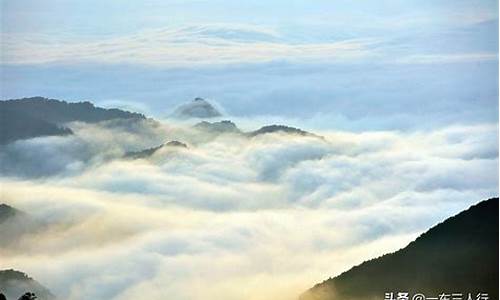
370,64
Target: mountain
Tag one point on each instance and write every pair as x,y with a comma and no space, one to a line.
148,152
198,108
8,212
13,284
59,112
15,125
224,126
459,255
279,128
37,116
14,224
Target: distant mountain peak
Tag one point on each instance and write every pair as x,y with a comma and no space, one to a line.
7,211
175,144
198,108
280,128
15,223
224,126
5,206
38,116
150,151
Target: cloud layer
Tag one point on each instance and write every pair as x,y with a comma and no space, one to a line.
404,94
232,217
222,44
166,33
178,47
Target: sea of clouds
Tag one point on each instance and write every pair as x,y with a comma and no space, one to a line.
230,217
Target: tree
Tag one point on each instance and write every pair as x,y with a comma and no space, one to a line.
28,296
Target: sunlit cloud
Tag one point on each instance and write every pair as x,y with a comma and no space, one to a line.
233,217
402,98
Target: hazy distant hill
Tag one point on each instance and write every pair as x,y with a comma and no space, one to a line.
14,224
150,151
227,126
220,127
7,212
13,284
37,116
198,108
279,128
459,255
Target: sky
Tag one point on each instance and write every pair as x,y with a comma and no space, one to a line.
379,65
404,95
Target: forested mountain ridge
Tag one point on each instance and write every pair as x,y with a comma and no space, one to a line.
459,255
37,116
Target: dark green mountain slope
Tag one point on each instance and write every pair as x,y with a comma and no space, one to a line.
198,108
15,125
460,255
37,116
56,111
13,284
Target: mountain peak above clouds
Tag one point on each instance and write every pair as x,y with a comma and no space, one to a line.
38,116
7,211
150,151
224,126
198,108
60,112
281,129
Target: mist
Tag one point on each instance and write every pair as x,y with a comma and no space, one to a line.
230,216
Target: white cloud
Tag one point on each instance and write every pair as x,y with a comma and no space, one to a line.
235,43
198,45
237,218
444,58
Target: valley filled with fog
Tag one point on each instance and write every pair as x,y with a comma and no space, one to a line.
228,215
239,150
